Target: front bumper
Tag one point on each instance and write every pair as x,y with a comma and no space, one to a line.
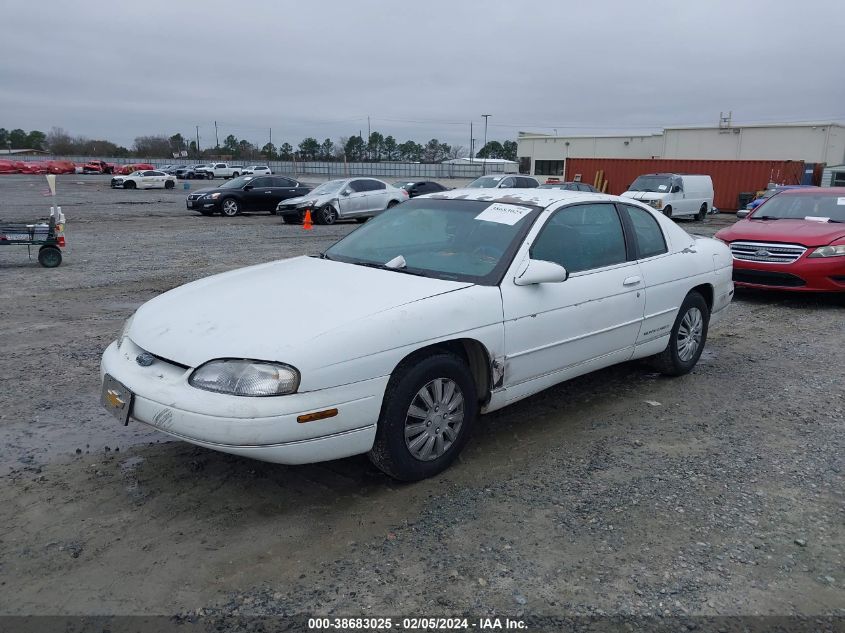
117,183
201,204
804,275
261,428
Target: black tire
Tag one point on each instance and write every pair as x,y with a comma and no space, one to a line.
235,174
130,184
49,256
667,211
326,215
391,452
295,218
230,207
209,176
670,362
392,204
702,213
168,184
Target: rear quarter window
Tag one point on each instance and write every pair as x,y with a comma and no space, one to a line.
650,239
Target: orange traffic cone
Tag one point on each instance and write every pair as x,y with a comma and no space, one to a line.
306,223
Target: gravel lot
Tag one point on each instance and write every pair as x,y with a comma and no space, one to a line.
621,492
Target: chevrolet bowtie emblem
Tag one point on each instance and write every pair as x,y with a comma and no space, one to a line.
114,399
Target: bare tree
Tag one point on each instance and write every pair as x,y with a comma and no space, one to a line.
458,151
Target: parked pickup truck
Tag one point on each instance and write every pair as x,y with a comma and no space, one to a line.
223,170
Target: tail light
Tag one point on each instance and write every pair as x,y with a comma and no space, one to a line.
61,241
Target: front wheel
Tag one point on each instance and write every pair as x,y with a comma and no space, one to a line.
49,256
427,415
230,207
326,215
235,174
129,184
686,342
667,211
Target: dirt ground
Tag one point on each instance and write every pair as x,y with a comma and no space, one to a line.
622,492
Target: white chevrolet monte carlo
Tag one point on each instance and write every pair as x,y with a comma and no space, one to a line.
394,340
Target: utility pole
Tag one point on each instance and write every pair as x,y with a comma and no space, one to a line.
198,141
486,116
471,153
216,138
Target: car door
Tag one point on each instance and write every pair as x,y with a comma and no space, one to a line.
282,189
377,197
349,198
257,194
554,331
148,179
665,276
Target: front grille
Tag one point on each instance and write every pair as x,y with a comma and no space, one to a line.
195,196
767,278
766,252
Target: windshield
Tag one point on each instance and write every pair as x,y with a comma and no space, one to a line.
236,183
332,186
656,184
798,207
485,182
461,240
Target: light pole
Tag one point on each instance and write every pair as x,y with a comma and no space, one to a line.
486,116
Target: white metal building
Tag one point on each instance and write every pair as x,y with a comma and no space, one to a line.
810,142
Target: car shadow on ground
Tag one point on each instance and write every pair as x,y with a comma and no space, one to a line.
787,299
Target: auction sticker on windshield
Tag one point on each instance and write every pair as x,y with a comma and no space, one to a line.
500,213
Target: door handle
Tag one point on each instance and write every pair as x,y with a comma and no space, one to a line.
632,281
268,192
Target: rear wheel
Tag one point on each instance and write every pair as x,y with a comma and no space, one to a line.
168,184
49,256
702,213
235,174
429,408
392,204
686,342
230,207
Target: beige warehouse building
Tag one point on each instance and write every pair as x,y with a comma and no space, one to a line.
544,154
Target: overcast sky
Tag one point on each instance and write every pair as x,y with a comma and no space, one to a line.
118,70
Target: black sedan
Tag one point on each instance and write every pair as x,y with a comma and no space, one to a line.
247,193
419,187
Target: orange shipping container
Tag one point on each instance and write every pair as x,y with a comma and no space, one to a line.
730,177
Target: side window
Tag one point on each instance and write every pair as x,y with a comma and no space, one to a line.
358,185
508,182
528,183
283,182
261,182
150,173
650,240
375,185
582,237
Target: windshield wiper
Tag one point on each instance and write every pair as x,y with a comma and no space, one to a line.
764,217
383,267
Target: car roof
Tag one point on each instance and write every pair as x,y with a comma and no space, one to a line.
814,191
534,196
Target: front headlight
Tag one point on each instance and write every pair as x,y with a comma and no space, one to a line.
835,250
212,196
124,333
246,378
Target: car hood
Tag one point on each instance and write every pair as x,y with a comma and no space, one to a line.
645,195
311,199
803,232
281,311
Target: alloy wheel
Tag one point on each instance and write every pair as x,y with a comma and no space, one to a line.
689,334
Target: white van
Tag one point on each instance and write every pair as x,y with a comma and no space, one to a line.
676,195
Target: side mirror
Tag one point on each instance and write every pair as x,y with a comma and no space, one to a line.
540,271
676,189
741,213
247,187
345,192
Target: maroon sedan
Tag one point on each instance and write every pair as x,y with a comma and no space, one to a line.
793,241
